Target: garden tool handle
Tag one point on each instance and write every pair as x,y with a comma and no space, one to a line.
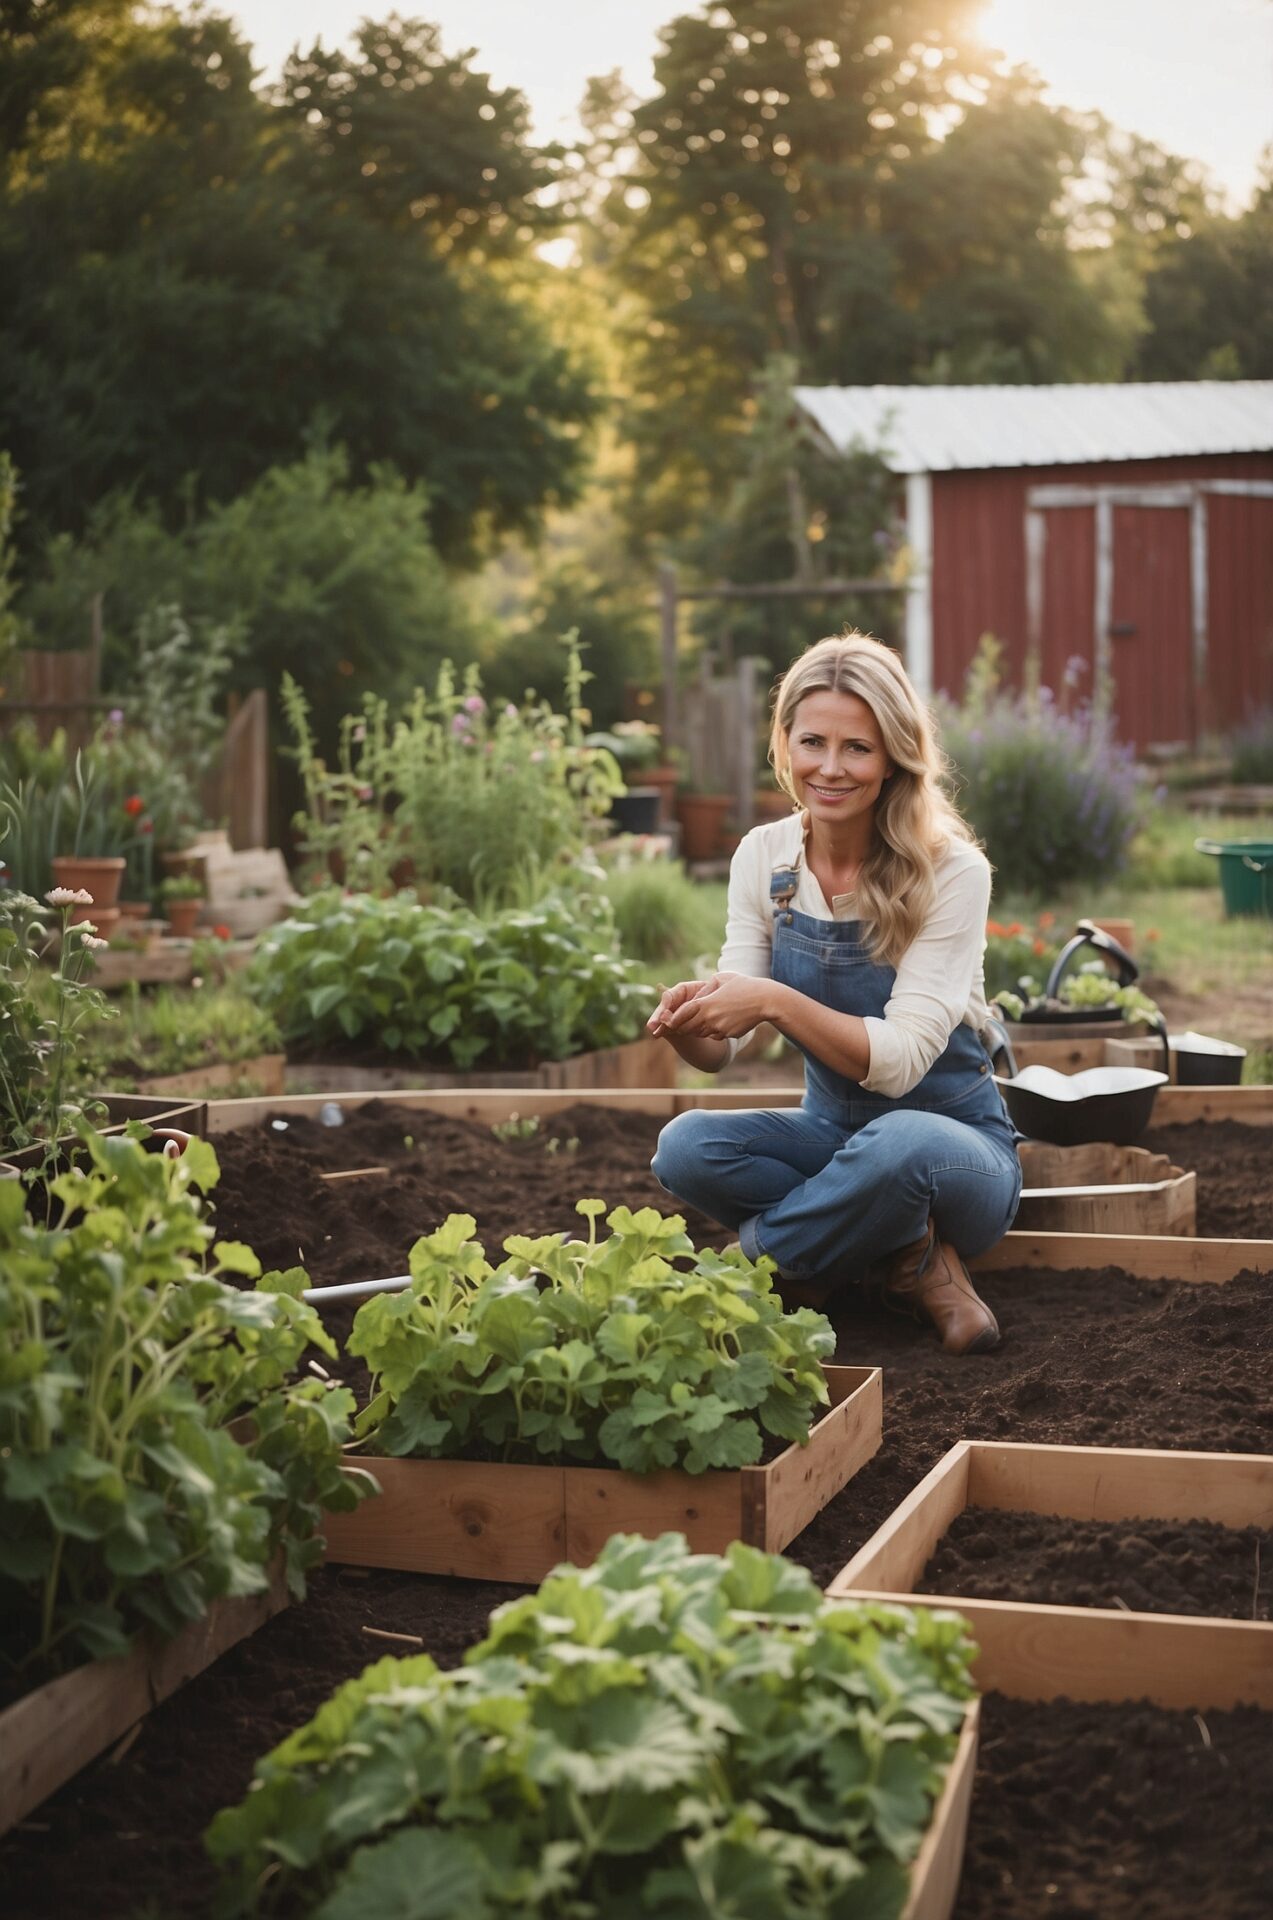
1128,971
1158,1025
1002,1044
1256,866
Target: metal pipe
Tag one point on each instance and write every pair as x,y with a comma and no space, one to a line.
356,1289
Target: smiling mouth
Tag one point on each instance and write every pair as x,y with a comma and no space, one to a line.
830,793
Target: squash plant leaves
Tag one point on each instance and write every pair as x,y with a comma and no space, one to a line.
627,1347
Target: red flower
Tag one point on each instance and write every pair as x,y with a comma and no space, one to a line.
134,805
223,932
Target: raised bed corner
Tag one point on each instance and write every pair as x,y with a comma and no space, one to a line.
1032,1651
47,1736
482,1520
1101,1188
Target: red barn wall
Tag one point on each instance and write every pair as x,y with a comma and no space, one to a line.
979,586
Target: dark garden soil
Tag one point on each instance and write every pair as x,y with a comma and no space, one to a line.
1088,1811
1234,1165
1145,1566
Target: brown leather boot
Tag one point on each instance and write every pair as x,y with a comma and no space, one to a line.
930,1278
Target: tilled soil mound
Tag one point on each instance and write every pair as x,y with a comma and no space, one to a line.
1107,1812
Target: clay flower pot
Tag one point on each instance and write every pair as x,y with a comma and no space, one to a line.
183,917
702,816
101,877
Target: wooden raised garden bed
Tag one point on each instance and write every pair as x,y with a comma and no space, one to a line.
483,1520
48,1735
265,1069
936,1868
639,1063
1100,1188
1165,1256
1035,1652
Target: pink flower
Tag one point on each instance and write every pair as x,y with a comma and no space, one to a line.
459,723
475,704
69,897
366,793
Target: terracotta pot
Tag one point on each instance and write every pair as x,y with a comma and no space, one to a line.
665,777
135,909
771,803
105,919
183,917
702,817
101,877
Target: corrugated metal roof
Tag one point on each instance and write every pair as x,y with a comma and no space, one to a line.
936,429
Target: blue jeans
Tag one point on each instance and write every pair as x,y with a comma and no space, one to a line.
816,1198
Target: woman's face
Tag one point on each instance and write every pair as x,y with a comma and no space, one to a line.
838,761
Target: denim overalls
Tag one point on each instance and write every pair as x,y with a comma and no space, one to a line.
850,1177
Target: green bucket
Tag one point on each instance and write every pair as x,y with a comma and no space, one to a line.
1246,874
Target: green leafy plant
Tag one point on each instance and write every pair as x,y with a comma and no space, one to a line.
44,1017
175,1029
181,886
660,1733
1091,987
125,1354
660,912
516,1129
442,983
632,1349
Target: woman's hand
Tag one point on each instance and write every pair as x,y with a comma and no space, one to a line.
724,1007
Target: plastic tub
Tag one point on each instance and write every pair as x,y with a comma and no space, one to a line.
1071,1109
1246,874
1202,1061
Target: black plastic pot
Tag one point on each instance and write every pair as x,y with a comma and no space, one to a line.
637,811
1204,1062
1111,1104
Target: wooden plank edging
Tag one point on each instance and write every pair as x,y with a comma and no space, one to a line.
484,1520
936,1868
48,1735
1034,1651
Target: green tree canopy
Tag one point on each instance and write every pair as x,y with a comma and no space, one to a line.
199,276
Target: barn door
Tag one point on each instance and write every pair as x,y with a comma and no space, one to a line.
1112,601
1150,625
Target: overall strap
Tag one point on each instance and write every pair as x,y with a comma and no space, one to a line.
784,879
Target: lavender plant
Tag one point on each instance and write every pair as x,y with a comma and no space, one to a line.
1052,795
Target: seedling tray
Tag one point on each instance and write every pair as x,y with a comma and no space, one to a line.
48,1735
1035,1652
482,1520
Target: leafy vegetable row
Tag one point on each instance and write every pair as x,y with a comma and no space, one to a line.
125,1357
660,1733
630,1348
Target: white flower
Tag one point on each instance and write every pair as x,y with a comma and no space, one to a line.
84,928
68,897
93,944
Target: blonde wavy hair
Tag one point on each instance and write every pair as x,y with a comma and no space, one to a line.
914,820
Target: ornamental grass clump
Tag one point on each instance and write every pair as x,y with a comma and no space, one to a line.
445,984
633,1350
687,1735
127,1348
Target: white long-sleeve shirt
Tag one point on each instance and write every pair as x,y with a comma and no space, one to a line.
940,978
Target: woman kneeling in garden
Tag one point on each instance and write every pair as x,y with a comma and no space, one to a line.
856,927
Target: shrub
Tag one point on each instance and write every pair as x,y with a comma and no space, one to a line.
659,1733
1051,795
1252,750
482,801
659,912
443,983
